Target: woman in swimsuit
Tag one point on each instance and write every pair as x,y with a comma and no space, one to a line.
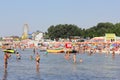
37,61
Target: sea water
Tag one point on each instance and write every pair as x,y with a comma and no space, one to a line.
56,67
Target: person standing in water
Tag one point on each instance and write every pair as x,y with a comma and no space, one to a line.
37,59
6,57
67,55
74,58
34,50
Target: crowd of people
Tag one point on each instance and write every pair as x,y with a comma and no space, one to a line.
7,55
83,47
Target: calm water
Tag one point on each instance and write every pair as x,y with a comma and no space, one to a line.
55,67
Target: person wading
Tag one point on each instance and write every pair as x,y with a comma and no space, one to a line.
37,61
6,57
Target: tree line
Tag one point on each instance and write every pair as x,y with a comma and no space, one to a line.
67,30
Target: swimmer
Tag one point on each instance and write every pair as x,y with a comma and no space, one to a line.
18,56
31,57
81,60
46,53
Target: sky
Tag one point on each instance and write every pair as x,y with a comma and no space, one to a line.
41,14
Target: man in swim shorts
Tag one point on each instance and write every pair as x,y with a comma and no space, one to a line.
6,57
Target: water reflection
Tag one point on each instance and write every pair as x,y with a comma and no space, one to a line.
55,67
5,75
38,73
37,68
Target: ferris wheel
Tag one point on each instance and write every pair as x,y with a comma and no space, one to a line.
25,29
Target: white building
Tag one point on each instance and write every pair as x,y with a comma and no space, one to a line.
39,36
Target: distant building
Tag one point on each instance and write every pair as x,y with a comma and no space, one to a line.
38,35
8,39
15,38
110,37
11,38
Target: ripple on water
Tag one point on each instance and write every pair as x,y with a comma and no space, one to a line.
55,67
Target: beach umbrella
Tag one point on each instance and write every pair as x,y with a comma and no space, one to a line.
114,45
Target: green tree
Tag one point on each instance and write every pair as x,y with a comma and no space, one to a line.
117,29
64,31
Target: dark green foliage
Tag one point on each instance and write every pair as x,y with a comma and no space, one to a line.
63,31
67,30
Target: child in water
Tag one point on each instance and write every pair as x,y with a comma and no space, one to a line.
81,60
31,57
46,53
